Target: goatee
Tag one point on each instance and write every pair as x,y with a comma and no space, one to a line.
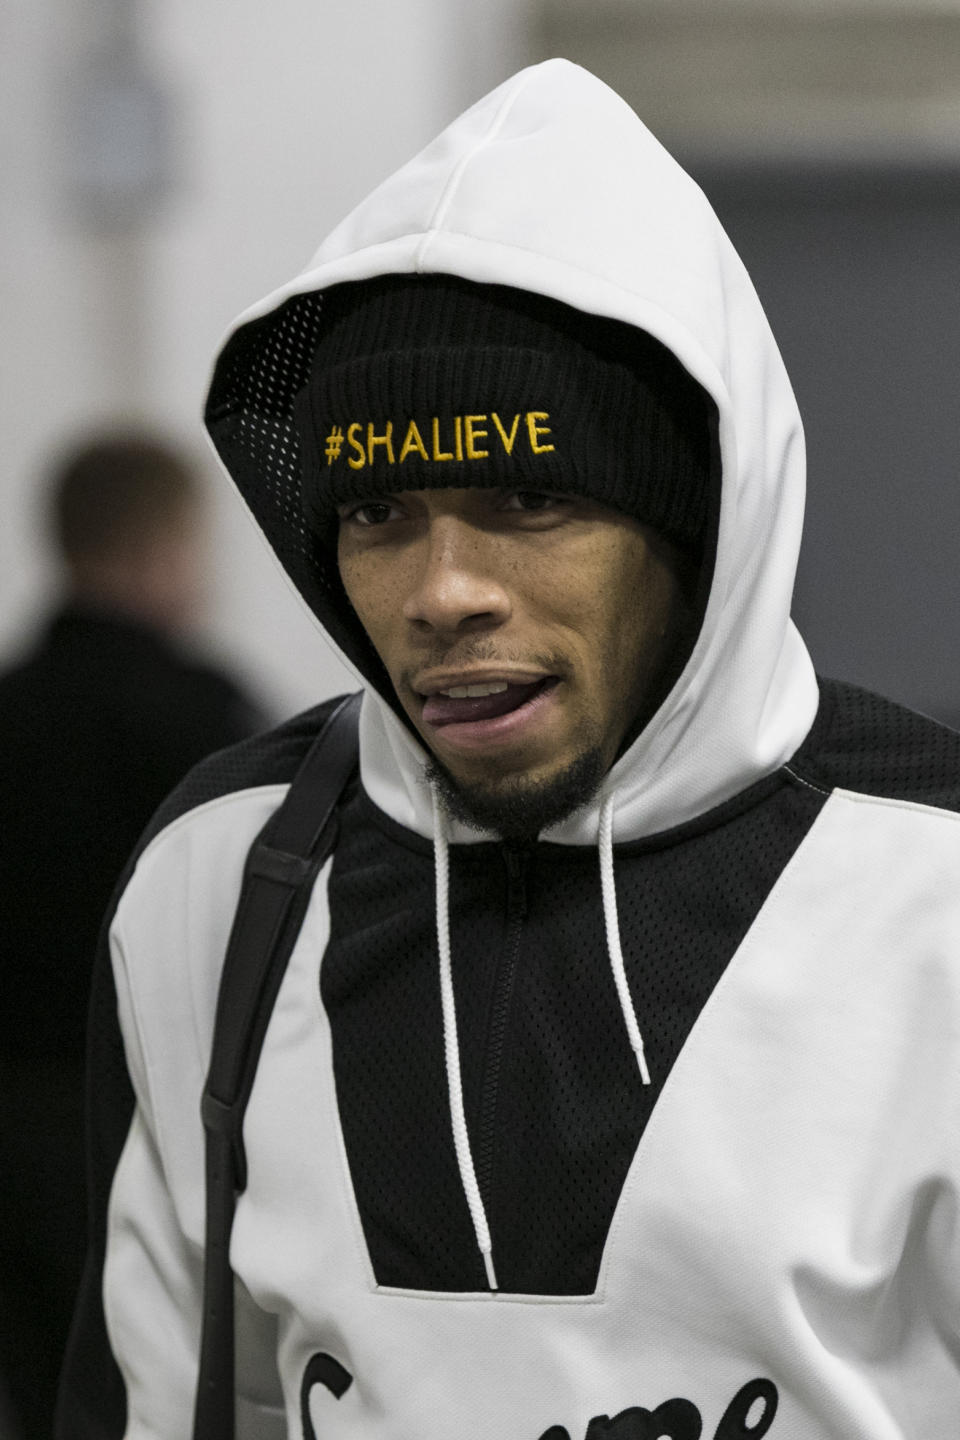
515,808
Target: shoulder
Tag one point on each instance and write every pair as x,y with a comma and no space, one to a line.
200,834
174,908
872,746
271,758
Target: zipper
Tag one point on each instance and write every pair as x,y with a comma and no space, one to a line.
516,862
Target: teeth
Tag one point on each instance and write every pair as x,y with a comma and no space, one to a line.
473,692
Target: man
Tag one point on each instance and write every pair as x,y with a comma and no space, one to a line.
98,721
611,1088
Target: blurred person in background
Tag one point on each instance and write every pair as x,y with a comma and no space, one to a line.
97,722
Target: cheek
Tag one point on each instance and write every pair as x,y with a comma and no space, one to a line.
599,592
636,619
370,593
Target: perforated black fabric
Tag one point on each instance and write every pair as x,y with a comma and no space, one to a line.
249,415
555,1107
250,419
863,742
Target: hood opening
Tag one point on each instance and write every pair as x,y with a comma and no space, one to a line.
551,186
255,416
249,416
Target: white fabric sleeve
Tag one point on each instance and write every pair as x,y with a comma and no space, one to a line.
153,1289
153,1277
152,1294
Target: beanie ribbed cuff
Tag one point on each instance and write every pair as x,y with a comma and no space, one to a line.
498,399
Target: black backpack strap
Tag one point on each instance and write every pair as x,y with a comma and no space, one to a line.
281,867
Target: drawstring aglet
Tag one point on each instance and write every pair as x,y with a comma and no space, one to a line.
614,950
491,1273
642,1063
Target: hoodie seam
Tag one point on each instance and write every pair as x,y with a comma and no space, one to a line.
895,802
757,793
795,775
452,185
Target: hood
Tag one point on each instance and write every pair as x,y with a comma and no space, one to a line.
552,185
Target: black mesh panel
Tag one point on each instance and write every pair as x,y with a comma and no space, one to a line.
555,1106
861,741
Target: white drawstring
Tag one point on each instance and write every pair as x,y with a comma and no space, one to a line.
461,1139
613,936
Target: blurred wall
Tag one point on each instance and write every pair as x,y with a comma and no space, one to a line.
857,266
165,164
827,135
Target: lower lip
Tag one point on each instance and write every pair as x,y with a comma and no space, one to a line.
501,729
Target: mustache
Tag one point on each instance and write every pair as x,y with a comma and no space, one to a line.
483,651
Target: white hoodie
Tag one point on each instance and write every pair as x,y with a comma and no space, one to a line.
551,184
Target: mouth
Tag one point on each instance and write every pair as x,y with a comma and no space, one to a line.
472,715
463,704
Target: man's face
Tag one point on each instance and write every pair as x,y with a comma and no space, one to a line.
525,633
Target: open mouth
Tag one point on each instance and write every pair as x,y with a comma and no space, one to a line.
470,704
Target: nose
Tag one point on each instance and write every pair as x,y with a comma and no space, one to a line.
456,585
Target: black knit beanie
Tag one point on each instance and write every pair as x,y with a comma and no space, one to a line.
422,382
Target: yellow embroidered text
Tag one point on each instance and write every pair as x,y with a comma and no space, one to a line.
439,439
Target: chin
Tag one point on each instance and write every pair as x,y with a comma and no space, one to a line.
518,807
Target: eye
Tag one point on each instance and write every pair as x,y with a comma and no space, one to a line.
369,513
533,500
